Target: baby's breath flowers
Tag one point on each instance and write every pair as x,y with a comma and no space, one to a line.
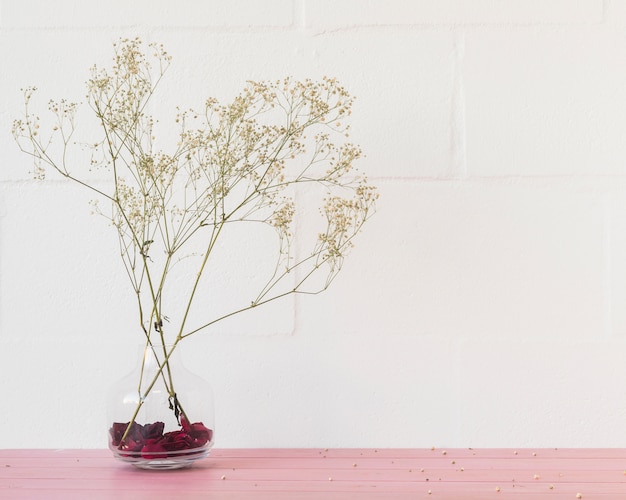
230,164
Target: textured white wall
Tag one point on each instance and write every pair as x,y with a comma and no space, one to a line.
485,304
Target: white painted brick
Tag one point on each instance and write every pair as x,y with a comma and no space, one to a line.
312,388
58,370
615,241
401,116
54,241
57,63
320,367
494,260
374,292
404,88
545,102
86,250
525,394
402,113
329,14
120,13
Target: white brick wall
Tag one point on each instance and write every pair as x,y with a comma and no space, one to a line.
484,305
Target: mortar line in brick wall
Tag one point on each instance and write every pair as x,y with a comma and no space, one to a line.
127,30
607,282
298,25
298,14
453,26
570,179
583,180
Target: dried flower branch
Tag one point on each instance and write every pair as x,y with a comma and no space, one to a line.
232,164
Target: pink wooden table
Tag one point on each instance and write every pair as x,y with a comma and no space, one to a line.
335,474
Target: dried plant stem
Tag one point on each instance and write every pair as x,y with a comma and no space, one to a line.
232,164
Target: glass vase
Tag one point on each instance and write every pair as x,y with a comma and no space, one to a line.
161,415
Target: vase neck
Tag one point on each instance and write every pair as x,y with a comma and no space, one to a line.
153,355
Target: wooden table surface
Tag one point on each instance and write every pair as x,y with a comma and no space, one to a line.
333,474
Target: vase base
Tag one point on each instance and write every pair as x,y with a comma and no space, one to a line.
170,463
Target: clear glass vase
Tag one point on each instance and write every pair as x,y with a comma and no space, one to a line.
161,415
